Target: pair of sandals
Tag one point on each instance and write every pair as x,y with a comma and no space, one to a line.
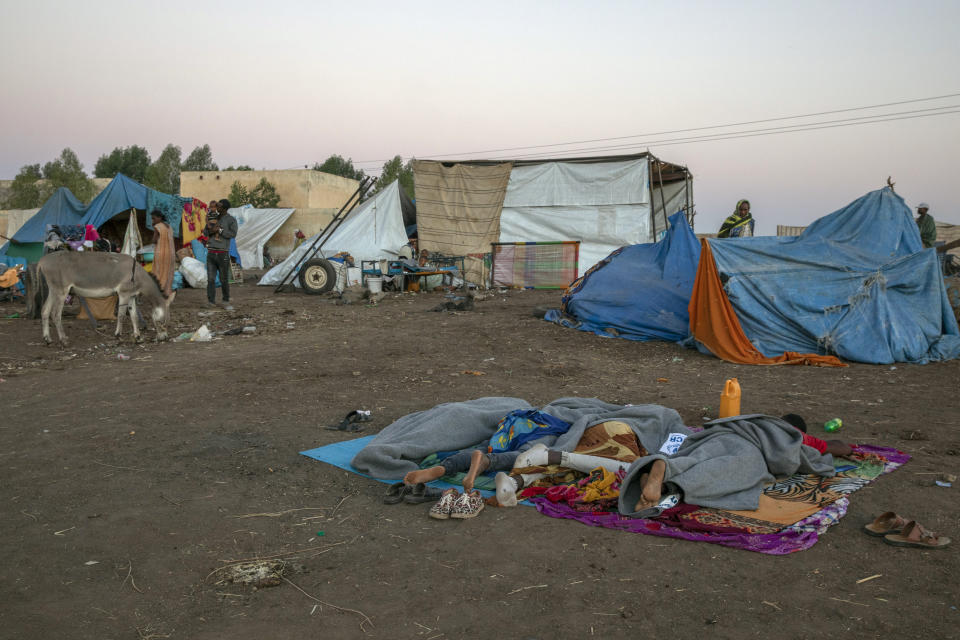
900,532
411,493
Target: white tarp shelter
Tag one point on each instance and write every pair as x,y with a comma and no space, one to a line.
254,228
605,203
374,230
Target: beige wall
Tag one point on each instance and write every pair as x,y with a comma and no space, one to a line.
12,219
311,221
298,188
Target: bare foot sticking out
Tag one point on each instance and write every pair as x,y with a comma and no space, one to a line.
423,475
652,484
478,464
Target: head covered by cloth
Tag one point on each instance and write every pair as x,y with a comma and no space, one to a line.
736,223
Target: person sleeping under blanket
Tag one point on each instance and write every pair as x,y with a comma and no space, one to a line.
724,466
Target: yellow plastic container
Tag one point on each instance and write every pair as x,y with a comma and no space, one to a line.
730,399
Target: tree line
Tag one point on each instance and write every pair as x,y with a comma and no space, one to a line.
34,183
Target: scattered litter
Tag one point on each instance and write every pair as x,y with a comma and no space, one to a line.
677,359
12,315
663,379
183,337
941,483
122,356
260,573
876,575
250,329
233,332
268,302
290,325
320,533
203,334
91,562
204,314
893,368
472,373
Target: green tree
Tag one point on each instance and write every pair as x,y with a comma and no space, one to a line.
239,194
264,195
132,161
200,159
164,174
240,167
336,165
66,171
396,169
24,192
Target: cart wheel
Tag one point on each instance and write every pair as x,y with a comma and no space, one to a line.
317,276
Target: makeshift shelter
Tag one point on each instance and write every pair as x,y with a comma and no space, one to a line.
855,284
254,228
374,230
124,194
603,202
62,208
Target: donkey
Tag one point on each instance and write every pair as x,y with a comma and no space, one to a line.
96,275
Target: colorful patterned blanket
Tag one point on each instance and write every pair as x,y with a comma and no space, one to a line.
793,512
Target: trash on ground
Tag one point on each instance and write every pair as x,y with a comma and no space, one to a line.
203,334
122,356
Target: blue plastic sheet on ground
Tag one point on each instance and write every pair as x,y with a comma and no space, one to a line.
857,283
339,454
639,292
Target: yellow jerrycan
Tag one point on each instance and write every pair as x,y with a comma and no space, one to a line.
730,399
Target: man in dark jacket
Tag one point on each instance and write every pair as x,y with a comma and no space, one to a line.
220,229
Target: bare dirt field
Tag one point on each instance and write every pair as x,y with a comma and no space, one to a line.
129,485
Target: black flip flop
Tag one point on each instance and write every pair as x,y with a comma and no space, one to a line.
420,493
395,493
350,422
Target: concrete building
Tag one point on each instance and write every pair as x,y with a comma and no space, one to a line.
298,188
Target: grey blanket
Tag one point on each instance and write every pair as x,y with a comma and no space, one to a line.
727,465
401,446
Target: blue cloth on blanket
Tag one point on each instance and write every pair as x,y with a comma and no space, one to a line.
525,425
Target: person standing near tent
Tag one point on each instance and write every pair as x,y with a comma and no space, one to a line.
163,252
739,224
219,230
928,228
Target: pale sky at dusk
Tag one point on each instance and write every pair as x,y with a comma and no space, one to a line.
283,84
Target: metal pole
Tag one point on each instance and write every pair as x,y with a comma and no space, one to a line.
337,220
663,202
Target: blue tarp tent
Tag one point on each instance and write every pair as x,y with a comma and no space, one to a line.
638,292
62,208
123,194
857,283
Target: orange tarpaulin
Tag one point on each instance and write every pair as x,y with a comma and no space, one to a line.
715,324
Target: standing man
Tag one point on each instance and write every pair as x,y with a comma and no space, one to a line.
928,228
219,230
739,224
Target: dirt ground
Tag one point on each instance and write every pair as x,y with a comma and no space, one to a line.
129,485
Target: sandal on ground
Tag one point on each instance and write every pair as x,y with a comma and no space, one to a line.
441,510
350,421
395,493
420,493
468,505
885,523
914,535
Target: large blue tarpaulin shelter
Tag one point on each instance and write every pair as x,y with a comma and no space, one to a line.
857,283
62,208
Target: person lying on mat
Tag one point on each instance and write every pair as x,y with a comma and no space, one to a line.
724,466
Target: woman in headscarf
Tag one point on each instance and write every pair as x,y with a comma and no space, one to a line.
163,253
739,224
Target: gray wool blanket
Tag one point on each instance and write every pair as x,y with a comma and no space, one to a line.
727,465
453,426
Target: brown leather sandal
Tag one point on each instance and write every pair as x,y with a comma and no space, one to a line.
885,523
914,535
